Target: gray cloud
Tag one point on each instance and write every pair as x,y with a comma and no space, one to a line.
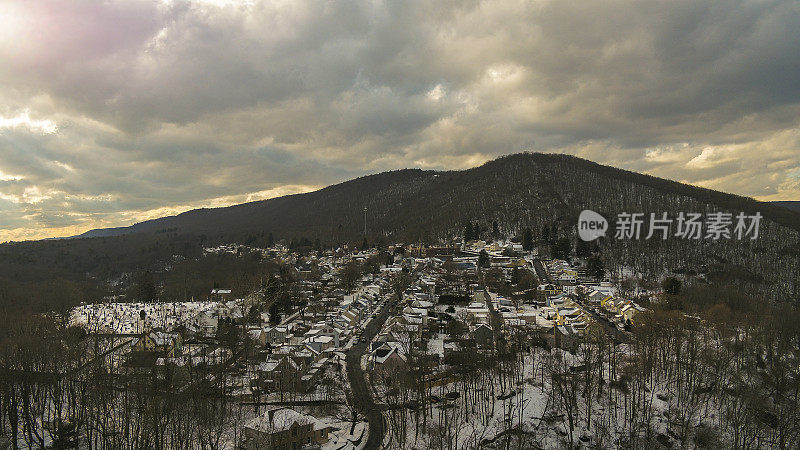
161,106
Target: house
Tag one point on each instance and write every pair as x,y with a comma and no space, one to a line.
568,276
568,315
483,335
284,428
404,325
518,248
215,358
206,324
325,329
421,304
566,337
167,344
606,288
319,343
372,290
311,377
529,317
481,297
500,261
281,374
351,316
258,336
449,348
220,295
277,335
548,289
598,298
505,301
419,313
569,288
494,247
614,305
222,311
557,301
630,311
387,358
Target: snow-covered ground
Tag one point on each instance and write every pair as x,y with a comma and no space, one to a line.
126,318
342,439
525,404
531,407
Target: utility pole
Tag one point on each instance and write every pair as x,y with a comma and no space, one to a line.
365,221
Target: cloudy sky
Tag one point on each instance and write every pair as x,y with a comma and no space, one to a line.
112,112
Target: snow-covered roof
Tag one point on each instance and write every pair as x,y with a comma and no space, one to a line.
385,351
254,334
280,419
162,339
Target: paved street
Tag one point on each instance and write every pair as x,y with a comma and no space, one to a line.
611,330
495,318
541,271
358,382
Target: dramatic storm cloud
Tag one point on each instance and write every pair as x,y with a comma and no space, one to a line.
118,111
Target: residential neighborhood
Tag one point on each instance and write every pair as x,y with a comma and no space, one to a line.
437,304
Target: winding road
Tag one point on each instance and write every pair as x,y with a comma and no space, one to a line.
358,382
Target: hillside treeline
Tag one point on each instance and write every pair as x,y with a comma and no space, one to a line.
506,196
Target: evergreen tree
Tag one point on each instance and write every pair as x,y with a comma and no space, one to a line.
527,240
254,315
468,233
145,287
554,233
582,248
483,259
274,315
562,248
594,267
672,286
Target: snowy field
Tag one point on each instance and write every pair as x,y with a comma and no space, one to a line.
126,318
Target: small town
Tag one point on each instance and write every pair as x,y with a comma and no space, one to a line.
319,372
399,225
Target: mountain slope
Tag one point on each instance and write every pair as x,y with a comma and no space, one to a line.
793,205
518,191
397,200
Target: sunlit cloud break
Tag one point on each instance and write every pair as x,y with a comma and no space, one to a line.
23,120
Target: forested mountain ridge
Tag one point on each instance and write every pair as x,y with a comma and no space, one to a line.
335,213
793,205
515,192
